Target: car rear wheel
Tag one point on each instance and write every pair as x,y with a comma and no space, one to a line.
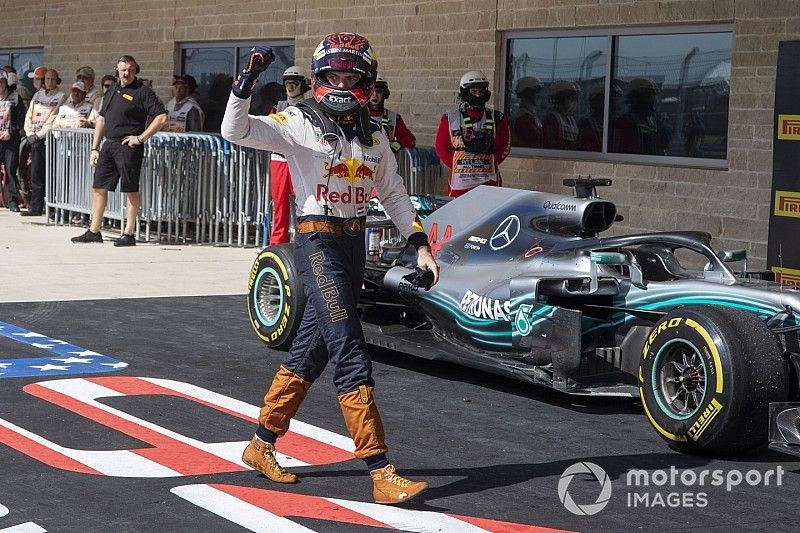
707,377
275,297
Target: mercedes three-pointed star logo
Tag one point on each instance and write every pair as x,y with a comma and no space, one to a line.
505,233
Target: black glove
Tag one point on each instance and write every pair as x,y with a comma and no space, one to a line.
260,59
32,139
420,278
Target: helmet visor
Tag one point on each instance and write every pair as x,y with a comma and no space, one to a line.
342,61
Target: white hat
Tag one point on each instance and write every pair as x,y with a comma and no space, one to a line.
79,85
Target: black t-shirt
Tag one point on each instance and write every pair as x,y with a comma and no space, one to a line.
127,110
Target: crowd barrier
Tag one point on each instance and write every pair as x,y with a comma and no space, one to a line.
420,169
194,187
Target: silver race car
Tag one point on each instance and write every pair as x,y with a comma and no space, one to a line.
530,289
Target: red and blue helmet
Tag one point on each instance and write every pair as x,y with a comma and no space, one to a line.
343,52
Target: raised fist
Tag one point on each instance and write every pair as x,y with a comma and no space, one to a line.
260,58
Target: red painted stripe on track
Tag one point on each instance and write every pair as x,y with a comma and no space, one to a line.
286,504
300,447
173,454
42,453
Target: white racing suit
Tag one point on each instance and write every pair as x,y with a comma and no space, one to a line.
332,178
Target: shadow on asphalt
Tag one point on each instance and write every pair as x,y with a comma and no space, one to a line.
598,405
479,479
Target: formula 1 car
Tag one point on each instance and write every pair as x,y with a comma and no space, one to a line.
529,289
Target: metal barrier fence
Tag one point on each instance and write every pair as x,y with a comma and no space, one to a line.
420,169
194,187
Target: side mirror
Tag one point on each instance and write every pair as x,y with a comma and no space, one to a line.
608,258
616,258
730,256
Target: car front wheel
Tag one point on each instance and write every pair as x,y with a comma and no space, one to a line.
707,376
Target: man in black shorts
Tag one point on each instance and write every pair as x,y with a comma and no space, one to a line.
126,109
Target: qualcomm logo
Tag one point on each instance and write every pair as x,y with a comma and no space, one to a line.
599,474
505,233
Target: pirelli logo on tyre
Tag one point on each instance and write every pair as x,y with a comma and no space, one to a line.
787,204
708,414
787,276
789,127
253,274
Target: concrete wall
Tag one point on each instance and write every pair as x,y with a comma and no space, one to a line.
423,48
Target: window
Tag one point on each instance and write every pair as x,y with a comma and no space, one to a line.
214,67
547,77
25,60
661,98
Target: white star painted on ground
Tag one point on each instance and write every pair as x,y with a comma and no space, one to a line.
56,341
45,368
84,353
5,365
115,365
73,360
43,346
29,335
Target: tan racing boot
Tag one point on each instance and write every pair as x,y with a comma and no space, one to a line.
260,455
388,487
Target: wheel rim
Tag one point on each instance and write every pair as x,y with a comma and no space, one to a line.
268,296
680,379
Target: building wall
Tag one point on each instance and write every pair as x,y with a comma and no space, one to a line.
423,47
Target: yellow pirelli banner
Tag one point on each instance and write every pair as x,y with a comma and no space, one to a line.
788,276
789,127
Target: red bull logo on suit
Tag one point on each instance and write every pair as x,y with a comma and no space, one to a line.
351,170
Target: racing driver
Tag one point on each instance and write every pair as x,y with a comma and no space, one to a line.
335,158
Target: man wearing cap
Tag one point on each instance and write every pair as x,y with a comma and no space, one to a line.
77,111
191,86
184,113
38,121
38,77
86,75
11,119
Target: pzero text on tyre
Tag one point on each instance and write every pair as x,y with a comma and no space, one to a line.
275,297
707,376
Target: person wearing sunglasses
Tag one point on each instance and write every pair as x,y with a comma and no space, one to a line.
86,76
390,122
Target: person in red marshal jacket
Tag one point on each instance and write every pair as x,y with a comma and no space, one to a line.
473,139
390,122
280,182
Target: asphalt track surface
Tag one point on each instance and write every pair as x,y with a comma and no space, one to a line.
490,447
